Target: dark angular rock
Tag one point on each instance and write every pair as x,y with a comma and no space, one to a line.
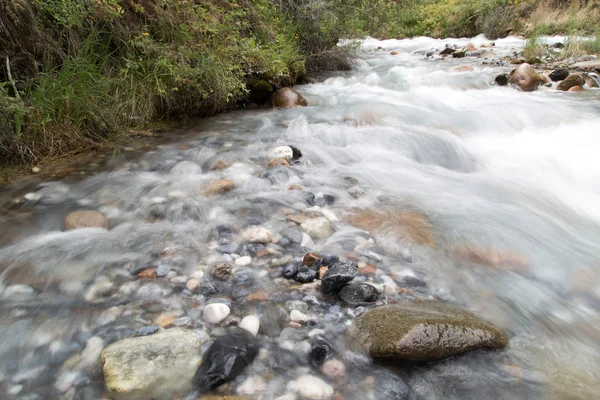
357,294
501,80
244,278
222,272
330,259
337,276
447,51
559,74
290,270
309,197
147,330
306,274
225,359
459,54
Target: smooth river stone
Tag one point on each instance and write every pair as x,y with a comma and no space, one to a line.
425,331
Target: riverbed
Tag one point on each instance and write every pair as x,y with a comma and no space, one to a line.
441,185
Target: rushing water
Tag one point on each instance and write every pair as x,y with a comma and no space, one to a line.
499,190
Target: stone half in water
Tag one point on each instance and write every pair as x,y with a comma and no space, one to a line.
225,359
425,331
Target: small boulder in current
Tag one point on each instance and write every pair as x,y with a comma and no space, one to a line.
288,98
425,331
337,276
570,81
525,78
85,219
356,294
559,74
225,359
151,364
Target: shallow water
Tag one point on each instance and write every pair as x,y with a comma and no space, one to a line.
486,194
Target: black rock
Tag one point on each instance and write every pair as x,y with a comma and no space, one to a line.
225,231
459,54
559,74
225,359
411,281
309,197
273,321
390,387
296,154
558,45
208,288
330,259
447,51
322,200
306,274
357,294
226,246
337,276
501,80
319,353
290,270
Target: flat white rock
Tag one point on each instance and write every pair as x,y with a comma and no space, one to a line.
317,228
298,316
215,313
257,234
251,323
243,261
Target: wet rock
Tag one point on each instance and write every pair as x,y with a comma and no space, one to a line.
587,65
559,74
288,98
225,359
407,224
219,186
323,199
335,370
570,81
257,234
306,274
162,270
276,175
296,154
310,259
501,80
504,259
243,261
272,321
337,276
319,353
296,305
252,386
425,331
298,316
463,68
151,364
447,51
147,330
356,294
284,152
186,168
389,386
147,273
222,272
592,80
575,89
316,228
215,313
278,162
459,54
311,387
525,78
330,259
18,292
394,53
192,284
85,219
290,270
250,323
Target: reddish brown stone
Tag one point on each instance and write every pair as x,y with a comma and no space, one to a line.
394,53
296,218
258,296
310,258
278,162
149,273
219,186
294,187
369,269
322,272
508,260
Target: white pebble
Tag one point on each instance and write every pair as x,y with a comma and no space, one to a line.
317,228
298,316
243,261
283,152
251,323
197,274
257,234
19,292
334,369
216,312
32,196
312,388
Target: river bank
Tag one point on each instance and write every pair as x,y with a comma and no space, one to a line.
440,185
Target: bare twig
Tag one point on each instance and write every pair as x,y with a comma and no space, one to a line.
10,78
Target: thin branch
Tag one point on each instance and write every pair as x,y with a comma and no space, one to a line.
10,79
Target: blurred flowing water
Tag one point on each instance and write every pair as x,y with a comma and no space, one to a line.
506,185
